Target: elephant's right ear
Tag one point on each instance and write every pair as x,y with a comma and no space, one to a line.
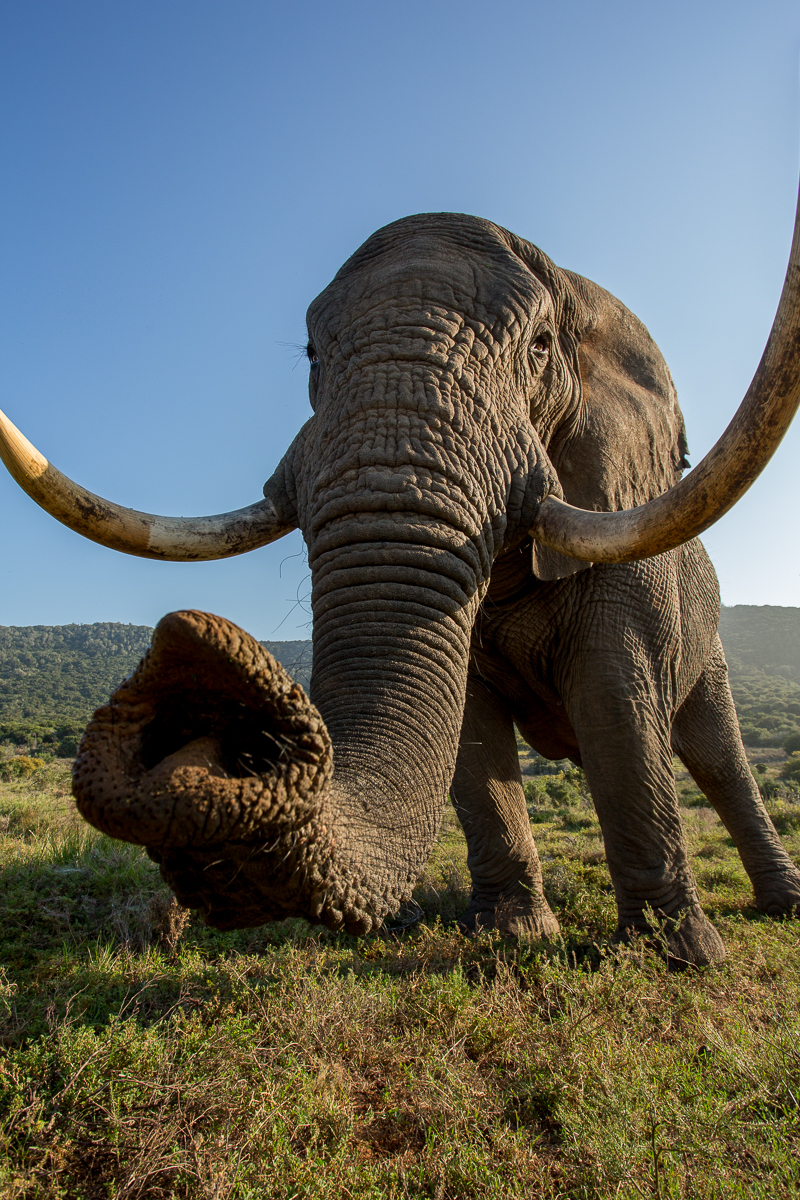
622,440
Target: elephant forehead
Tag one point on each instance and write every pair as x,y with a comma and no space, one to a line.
426,287
418,339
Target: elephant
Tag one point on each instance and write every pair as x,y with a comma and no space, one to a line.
500,533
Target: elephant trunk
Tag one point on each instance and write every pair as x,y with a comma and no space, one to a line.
391,646
217,762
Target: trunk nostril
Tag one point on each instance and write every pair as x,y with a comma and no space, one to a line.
244,743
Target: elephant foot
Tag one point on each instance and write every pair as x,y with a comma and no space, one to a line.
688,940
778,894
523,917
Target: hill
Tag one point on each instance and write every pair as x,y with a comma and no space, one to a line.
60,672
762,646
53,677
762,638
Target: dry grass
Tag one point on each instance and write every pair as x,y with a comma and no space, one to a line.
146,1056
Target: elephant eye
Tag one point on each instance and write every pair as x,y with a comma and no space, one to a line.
313,357
540,347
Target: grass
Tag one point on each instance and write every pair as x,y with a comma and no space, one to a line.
144,1055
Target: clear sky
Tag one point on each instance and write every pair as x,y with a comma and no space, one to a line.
180,178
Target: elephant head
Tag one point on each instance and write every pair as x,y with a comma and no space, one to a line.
470,398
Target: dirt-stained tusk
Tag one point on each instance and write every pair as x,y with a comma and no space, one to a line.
177,539
716,483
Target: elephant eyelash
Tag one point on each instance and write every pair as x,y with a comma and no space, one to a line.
299,349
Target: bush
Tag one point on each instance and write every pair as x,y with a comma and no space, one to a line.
25,733
59,740
690,796
68,739
567,789
792,743
21,767
791,768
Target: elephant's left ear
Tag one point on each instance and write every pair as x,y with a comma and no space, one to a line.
621,440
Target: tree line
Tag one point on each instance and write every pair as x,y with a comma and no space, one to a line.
53,677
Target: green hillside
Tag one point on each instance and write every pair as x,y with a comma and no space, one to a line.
762,646
63,672
762,638
53,677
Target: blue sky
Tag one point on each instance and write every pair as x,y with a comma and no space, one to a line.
180,179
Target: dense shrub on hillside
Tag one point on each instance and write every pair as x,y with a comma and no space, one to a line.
52,678
762,646
59,740
294,657
762,638
50,675
768,707
791,769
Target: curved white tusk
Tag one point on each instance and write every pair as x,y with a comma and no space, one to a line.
716,483
176,539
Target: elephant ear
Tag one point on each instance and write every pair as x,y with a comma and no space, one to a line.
621,440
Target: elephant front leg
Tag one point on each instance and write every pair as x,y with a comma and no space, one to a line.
490,803
623,732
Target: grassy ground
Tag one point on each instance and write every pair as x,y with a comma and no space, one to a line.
146,1056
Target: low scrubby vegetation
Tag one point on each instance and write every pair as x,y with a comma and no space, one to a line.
53,677
768,707
50,675
144,1055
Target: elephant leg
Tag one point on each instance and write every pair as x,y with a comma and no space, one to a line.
490,803
706,736
622,726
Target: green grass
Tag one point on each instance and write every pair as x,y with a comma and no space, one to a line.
144,1055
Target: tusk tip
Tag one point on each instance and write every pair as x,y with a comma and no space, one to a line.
21,458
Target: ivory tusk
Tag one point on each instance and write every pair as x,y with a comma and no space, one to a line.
716,483
176,539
